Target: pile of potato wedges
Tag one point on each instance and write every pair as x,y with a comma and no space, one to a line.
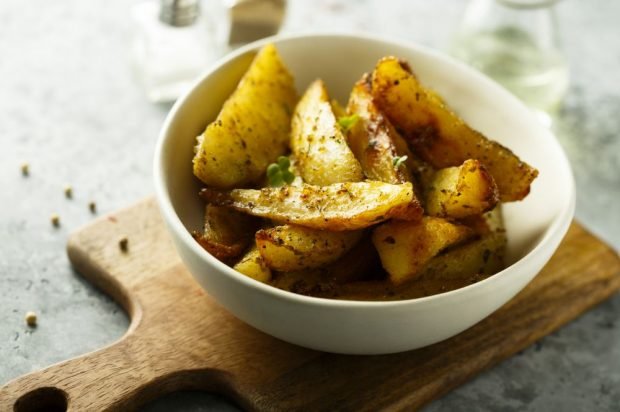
391,197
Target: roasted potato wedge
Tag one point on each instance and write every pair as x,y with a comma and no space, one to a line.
341,206
318,143
227,233
252,265
438,135
359,263
252,129
372,137
484,256
462,191
291,247
405,247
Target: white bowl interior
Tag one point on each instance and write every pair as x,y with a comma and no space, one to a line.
340,61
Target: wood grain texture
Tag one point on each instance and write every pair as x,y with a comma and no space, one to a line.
179,338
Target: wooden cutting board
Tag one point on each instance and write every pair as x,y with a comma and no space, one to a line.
179,338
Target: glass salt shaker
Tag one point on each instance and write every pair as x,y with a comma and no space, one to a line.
516,42
172,46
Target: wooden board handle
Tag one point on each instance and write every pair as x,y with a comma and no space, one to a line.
97,381
118,377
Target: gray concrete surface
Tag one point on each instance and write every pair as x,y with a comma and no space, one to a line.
70,106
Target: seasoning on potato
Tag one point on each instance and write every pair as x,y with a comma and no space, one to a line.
337,207
253,127
393,197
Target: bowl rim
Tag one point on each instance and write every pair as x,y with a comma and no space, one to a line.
552,235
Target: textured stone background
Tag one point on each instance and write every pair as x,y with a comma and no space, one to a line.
70,106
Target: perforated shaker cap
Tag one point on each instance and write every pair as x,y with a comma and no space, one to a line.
179,13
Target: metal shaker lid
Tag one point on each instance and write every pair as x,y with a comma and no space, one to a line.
179,13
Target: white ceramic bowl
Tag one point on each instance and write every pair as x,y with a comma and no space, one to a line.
535,226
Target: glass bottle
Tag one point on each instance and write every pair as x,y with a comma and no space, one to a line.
516,43
172,46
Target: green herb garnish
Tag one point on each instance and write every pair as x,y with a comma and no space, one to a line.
398,160
279,174
347,122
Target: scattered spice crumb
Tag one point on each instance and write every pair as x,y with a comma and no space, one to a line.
55,220
68,191
123,243
25,169
92,206
31,319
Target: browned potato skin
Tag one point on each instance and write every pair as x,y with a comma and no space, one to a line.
227,233
483,256
291,247
372,138
458,192
341,206
252,128
438,135
318,143
406,247
456,268
361,262
223,252
253,265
